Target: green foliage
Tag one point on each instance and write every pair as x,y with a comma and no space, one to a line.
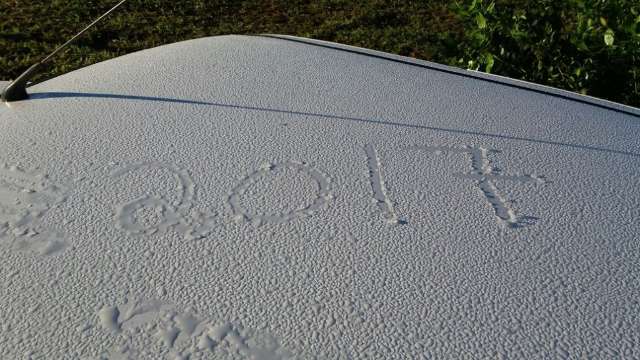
591,47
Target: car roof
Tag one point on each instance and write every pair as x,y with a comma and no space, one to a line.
269,195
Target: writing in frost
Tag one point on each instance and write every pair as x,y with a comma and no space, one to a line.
151,214
310,191
481,172
182,333
25,198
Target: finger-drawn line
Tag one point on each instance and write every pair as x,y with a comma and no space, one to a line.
323,194
150,214
187,186
24,199
485,176
128,215
377,186
183,331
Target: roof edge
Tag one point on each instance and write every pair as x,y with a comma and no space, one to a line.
521,84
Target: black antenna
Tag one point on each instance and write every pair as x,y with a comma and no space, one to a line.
17,89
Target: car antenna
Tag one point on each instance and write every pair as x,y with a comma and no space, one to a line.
17,89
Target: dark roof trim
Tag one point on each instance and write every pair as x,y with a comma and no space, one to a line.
541,89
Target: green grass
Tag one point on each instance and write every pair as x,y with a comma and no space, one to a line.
538,48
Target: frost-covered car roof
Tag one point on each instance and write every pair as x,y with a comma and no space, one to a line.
277,197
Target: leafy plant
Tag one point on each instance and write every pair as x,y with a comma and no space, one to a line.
591,47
